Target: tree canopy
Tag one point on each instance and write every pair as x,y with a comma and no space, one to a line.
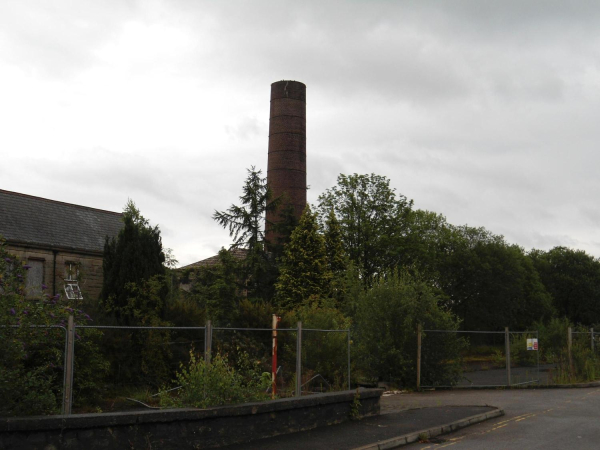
573,279
304,269
134,256
373,221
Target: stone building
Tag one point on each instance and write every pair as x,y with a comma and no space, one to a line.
61,242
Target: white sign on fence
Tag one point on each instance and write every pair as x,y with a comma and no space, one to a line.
532,344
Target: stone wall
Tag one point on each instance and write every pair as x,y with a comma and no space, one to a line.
185,428
90,269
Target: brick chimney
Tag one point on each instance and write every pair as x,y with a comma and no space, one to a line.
286,168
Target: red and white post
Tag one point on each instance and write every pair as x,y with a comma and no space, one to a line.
276,320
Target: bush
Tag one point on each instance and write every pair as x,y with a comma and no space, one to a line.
323,353
386,323
202,385
553,338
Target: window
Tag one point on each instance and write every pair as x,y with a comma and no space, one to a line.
35,278
72,290
71,271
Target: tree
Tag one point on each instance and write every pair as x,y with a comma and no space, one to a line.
135,255
337,260
573,279
490,284
246,225
386,322
373,220
304,272
217,289
134,292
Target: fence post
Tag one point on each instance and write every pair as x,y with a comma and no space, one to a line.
419,357
570,350
299,360
349,384
592,333
68,387
507,346
537,336
276,320
207,342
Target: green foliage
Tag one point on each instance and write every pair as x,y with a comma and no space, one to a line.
519,355
490,284
246,224
304,273
386,323
337,260
32,353
322,353
254,314
141,356
135,255
216,289
134,293
218,383
552,338
373,220
355,406
573,279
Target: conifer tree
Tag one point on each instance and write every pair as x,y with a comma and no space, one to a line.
246,225
136,255
304,273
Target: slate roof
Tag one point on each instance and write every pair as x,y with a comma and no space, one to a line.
36,221
237,253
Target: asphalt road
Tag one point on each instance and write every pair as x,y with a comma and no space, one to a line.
535,418
519,375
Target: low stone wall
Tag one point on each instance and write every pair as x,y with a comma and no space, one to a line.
184,428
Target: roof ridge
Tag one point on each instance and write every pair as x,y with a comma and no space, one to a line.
59,202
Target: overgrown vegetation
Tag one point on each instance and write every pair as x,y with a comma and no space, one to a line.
200,385
33,342
362,259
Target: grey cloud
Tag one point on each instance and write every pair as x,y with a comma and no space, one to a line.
54,39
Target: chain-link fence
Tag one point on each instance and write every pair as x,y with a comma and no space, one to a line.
325,360
38,382
137,362
120,368
449,358
525,359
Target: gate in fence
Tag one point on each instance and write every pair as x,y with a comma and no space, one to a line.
447,358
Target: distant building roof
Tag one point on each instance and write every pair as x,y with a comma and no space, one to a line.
36,221
237,253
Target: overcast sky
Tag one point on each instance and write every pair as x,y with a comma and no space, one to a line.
486,112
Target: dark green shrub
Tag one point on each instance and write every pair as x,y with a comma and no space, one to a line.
386,332
203,385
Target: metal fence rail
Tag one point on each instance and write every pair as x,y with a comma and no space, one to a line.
208,335
487,364
67,364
